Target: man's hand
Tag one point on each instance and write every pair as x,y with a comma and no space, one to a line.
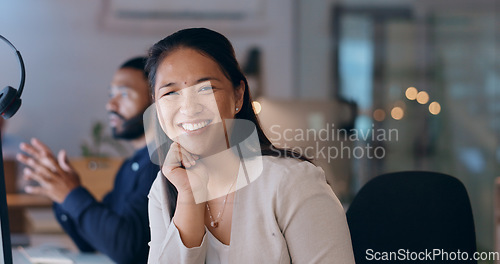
56,177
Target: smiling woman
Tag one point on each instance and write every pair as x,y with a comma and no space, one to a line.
196,93
201,208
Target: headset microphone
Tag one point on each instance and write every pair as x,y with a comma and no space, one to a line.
10,98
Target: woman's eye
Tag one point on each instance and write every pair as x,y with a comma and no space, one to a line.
124,94
206,88
169,93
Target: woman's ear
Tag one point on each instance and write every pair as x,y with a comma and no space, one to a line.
239,93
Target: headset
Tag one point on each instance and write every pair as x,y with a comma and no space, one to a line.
10,98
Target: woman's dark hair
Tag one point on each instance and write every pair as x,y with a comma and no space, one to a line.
217,47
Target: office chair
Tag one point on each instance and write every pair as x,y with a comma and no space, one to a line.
408,212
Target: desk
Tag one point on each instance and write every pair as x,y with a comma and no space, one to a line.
21,200
18,203
62,241
96,174
78,258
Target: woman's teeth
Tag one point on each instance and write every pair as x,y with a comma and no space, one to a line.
194,126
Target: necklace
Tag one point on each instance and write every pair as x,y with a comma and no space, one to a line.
215,222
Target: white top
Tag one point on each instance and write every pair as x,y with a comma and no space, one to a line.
287,215
217,252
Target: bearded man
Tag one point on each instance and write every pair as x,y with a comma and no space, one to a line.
118,225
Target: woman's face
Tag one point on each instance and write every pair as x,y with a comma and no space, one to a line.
193,97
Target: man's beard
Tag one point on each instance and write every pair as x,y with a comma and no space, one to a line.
132,128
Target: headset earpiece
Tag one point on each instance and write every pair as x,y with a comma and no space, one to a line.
10,98
9,102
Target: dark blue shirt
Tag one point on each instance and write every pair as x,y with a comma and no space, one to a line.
118,226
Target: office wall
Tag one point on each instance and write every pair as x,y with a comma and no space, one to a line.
70,59
315,44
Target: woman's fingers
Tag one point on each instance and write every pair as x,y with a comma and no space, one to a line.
187,158
177,156
172,161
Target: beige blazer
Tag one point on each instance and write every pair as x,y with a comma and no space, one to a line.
287,215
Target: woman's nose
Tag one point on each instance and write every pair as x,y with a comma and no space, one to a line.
190,105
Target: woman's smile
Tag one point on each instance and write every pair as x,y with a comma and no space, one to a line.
194,126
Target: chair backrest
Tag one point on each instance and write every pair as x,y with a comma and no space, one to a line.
407,212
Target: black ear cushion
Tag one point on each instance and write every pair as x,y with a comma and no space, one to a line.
9,102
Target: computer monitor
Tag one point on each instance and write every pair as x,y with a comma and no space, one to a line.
6,249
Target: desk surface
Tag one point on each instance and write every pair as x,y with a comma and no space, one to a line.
27,200
78,258
61,241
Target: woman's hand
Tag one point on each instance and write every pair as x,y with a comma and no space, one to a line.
191,184
186,173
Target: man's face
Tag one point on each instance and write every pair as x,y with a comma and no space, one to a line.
129,97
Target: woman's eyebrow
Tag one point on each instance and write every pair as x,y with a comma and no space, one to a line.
204,79
167,85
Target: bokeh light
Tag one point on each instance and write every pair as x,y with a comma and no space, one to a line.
422,97
256,107
397,113
411,93
379,115
435,108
